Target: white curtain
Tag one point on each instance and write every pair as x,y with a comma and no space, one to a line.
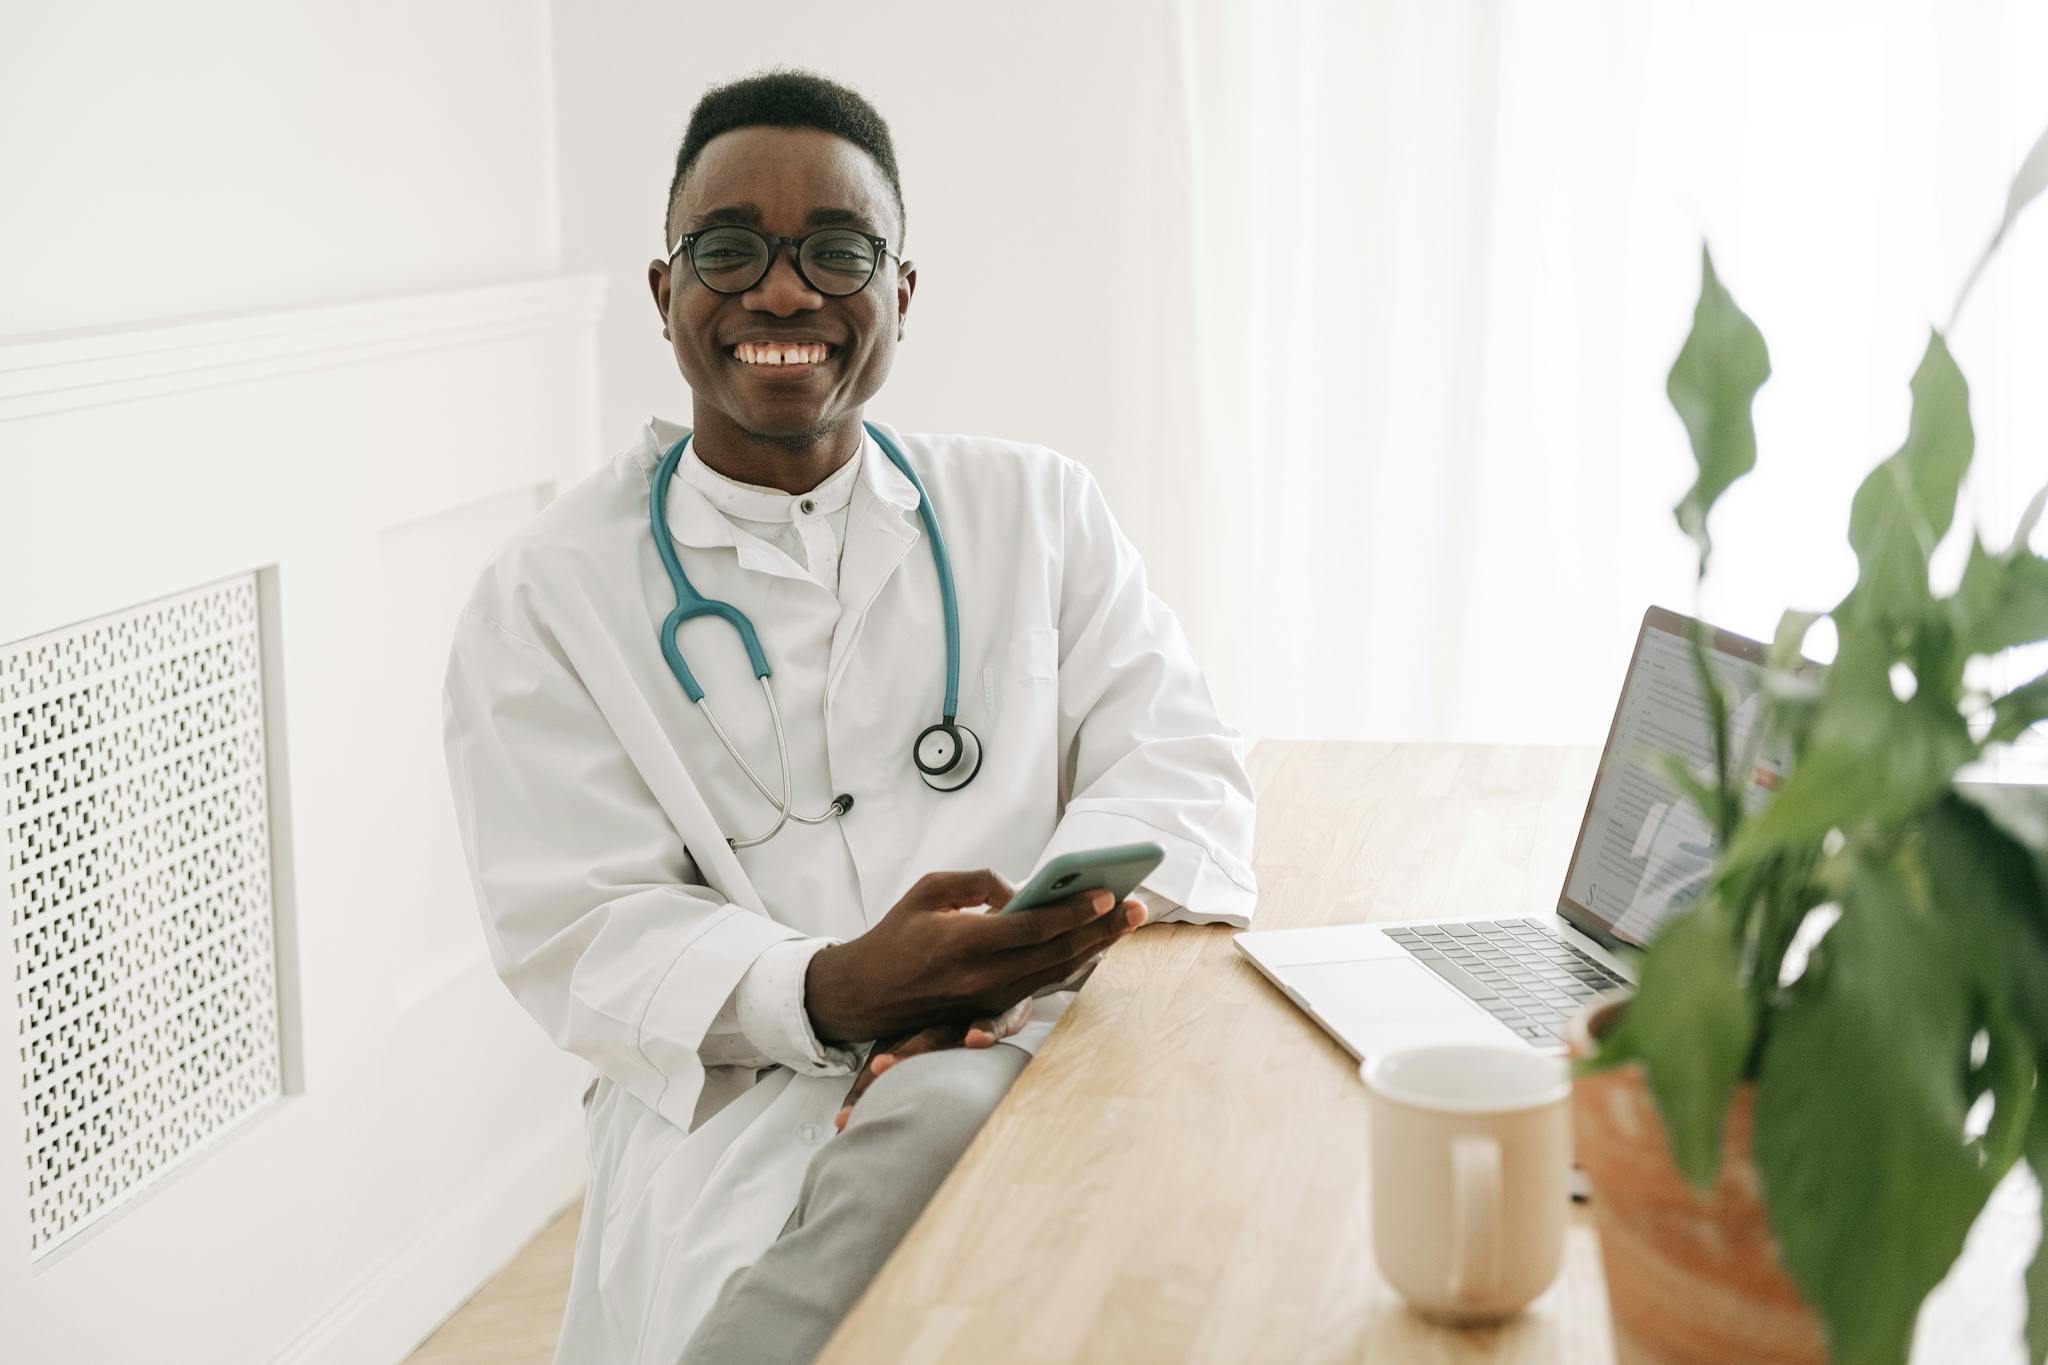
1445,253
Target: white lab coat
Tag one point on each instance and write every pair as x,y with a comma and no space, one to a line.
595,804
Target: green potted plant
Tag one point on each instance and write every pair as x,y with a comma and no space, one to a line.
1835,1120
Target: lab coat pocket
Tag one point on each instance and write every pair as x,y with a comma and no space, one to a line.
1019,729
1031,657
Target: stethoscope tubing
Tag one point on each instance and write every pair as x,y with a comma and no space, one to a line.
691,604
784,811
949,602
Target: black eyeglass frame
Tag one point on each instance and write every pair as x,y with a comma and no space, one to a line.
775,245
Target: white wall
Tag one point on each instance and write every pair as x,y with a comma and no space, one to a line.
163,161
1362,312
391,373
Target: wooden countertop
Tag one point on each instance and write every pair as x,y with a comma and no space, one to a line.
1181,1174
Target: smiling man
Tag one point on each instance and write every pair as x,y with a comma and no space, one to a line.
728,720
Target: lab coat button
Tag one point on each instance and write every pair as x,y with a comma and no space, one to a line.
810,1132
807,506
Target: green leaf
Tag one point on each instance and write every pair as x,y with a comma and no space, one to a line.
1994,870
1869,759
2008,1073
2037,1271
2019,711
2019,812
2029,519
2003,601
1691,1025
1868,1181
1712,384
1788,644
1987,857
1905,505
1705,799
1791,683
1794,703
1997,861
2027,185
1987,860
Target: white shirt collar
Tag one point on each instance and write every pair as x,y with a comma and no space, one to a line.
752,502
693,520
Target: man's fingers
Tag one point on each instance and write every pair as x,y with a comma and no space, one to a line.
881,1059
933,1039
1029,927
875,1067
1016,1017
1051,976
1078,944
990,1031
863,1081
958,890
1083,950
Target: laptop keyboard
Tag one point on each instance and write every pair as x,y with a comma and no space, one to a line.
1514,969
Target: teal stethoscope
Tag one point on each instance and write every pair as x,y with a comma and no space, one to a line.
947,755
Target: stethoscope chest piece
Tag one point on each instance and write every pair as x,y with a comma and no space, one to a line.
948,755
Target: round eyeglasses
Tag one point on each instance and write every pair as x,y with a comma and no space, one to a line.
730,259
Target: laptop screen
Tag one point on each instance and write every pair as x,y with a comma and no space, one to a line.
1644,851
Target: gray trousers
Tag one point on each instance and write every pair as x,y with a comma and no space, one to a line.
860,1195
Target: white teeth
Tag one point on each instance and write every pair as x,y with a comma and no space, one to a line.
769,353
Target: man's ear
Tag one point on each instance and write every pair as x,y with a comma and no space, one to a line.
657,284
906,285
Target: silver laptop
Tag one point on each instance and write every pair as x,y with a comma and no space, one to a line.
1643,852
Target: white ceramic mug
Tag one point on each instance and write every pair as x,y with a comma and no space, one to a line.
1471,1159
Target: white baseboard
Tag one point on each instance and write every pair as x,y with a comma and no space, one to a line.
404,1297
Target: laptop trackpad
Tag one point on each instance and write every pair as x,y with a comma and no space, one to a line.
1378,1004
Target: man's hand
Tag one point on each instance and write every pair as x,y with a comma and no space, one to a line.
932,960
982,1033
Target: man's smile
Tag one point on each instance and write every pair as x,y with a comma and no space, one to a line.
796,357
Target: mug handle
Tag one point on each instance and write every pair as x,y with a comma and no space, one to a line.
1475,1218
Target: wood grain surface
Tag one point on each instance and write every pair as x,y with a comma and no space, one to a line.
514,1319
1181,1174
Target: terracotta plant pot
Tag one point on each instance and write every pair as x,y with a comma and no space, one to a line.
1690,1281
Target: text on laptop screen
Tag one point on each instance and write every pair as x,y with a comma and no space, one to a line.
1645,851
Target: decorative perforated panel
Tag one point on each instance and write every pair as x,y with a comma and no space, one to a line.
136,826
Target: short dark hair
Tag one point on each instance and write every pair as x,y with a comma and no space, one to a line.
784,98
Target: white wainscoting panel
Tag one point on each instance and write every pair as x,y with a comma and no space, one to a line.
360,462
425,568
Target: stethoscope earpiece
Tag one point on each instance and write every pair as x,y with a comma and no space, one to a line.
948,755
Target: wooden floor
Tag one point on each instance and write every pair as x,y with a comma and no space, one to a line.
514,1319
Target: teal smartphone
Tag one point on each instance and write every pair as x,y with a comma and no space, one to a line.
1116,870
